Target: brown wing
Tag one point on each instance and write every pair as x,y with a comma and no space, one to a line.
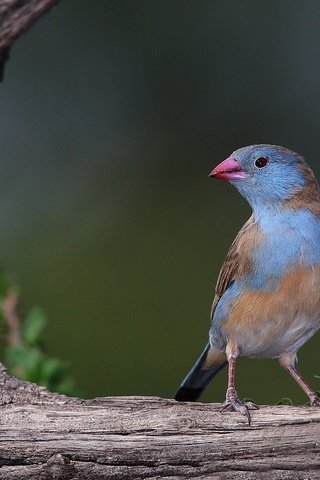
238,261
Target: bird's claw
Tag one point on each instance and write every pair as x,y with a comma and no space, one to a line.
234,404
314,401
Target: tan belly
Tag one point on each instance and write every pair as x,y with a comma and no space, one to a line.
269,324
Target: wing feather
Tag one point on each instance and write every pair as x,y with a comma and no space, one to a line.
238,260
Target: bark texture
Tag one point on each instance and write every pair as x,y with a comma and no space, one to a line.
16,17
50,436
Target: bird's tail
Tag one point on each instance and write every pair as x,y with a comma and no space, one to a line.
206,367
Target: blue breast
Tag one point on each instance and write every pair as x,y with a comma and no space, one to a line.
291,239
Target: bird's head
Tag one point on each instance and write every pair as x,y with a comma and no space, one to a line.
267,174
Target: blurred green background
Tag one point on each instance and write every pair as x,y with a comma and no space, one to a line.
112,115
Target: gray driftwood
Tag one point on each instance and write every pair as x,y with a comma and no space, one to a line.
50,436
16,17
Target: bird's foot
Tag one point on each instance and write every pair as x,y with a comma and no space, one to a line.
314,401
234,404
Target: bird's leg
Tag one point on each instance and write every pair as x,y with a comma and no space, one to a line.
313,397
232,401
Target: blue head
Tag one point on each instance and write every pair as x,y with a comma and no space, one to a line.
267,175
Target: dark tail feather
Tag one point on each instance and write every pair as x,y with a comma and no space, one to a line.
197,379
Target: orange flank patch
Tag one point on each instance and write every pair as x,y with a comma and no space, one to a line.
259,320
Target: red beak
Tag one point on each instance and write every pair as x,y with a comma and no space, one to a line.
229,169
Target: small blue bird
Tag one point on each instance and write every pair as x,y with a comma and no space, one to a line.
267,301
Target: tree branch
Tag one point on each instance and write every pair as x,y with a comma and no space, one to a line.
46,435
16,17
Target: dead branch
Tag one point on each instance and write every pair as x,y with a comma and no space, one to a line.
16,17
50,436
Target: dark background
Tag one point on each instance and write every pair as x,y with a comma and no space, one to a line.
112,115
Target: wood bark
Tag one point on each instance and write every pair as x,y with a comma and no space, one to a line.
16,17
49,436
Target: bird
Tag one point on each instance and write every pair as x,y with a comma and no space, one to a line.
267,296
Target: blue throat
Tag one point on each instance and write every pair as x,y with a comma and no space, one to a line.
292,239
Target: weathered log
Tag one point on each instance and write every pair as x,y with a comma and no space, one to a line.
16,17
50,436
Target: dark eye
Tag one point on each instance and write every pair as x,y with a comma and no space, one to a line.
261,162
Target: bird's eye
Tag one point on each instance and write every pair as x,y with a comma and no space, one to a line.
261,162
